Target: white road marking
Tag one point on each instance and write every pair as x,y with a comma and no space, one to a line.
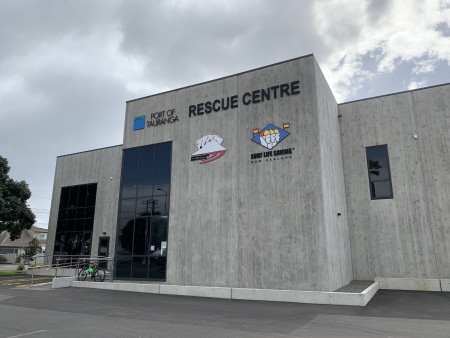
27,334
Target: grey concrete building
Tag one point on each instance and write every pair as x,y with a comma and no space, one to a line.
260,180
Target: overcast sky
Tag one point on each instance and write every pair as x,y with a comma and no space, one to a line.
67,67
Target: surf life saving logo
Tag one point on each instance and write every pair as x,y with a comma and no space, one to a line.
139,122
209,149
271,135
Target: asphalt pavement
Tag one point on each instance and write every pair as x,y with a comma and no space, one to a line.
24,281
76,312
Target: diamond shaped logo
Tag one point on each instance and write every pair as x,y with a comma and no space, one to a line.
270,136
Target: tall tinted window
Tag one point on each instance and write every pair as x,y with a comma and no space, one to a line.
144,211
379,172
75,220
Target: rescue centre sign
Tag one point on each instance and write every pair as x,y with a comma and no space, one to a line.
255,96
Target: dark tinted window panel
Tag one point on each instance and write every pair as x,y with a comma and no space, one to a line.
378,163
145,207
70,225
127,208
129,190
379,172
141,246
64,200
91,195
141,236
162,186
73,198
81,213
163,155
79,224
157,267
73,243
63,214
145,189
130,165
139,267
61,226
381,189
72,213
88,224
82,194
59,238
125,236
161,205
158,239
146,162
87,240
123,266
75,220
90,212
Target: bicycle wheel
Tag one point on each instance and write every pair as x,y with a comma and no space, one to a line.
99,275
82,274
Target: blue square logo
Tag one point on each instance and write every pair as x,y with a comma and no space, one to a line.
139,122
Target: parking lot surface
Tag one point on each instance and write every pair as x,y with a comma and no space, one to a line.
23,281
75,312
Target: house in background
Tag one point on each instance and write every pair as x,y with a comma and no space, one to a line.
12,249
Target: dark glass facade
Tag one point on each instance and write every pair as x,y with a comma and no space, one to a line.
379,172
144,212
75,220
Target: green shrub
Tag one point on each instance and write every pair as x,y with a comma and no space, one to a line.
2,259
18,258
20,267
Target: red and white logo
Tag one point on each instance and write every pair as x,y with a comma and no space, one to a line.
209,149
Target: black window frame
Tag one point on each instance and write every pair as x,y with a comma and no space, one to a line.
388,171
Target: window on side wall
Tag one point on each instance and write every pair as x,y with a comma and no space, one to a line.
380,182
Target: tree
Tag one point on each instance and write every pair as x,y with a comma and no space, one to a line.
32,249
15,214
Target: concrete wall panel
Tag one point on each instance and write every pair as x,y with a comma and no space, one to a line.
389,237
202,224
432,112
333,187
97,166
280,202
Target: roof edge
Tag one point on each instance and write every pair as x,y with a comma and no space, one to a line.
396,93
87,151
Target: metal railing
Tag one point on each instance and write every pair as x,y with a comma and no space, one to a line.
65,263
105,263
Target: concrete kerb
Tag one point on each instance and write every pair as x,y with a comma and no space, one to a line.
62,282
445,285
413,284
292,296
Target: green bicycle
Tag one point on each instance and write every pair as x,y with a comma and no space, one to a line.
93,271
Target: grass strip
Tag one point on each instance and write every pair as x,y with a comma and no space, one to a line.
9,272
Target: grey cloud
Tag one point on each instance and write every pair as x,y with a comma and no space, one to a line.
188,44
24,24
377,8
